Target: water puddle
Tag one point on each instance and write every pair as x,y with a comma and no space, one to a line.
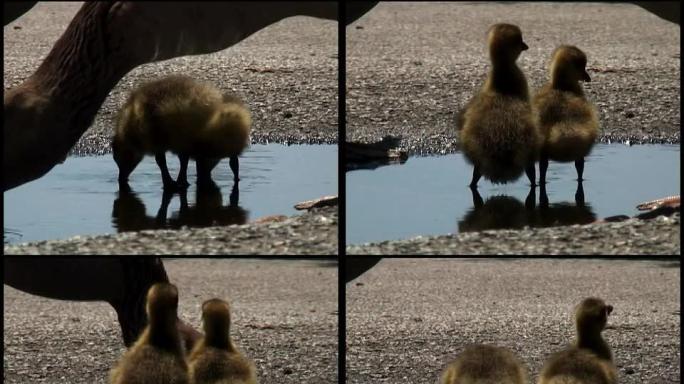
82,197
430,195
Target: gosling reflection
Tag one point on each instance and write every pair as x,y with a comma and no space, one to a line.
564,213
498,212
370,165
209,209
129,211
507,212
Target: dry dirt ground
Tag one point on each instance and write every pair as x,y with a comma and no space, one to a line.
412,65
407,318
284,314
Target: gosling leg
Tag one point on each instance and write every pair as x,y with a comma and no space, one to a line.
531,174
182,179
476,177
166,177
162,212
579,165
204,168
235,167
543,166
477,199
531,199
234,195
543,197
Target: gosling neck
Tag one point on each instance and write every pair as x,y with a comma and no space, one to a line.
561,82
590,338
506,78
163,333
219,337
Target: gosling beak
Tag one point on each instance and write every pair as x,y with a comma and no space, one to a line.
585,76
609,309
524,47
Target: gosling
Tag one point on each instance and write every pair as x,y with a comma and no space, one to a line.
190,119
567,120
589,360
498,131
485,364
215,359
158,355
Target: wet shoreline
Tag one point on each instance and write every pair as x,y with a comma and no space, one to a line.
311,233
659,236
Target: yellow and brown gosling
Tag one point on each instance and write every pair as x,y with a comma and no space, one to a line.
498,132
158,355
485,364
189,118
568,121
215,359
589,360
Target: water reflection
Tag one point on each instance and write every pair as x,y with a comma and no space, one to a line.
129,211
563,213
508,212
373,164
498,212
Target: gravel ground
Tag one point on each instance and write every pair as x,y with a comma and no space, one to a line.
404,324
312,233
297,103
412,66
285,319
659,236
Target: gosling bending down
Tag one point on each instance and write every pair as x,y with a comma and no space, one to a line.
185,117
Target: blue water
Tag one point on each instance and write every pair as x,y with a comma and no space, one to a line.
82,197
430,195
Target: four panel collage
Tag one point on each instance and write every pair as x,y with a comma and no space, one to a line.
342,192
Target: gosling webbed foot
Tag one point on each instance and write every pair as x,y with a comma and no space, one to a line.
476,178
182,183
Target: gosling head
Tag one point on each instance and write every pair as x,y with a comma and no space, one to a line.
592,314
215,316
505,43
126,158
568,65
162,304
